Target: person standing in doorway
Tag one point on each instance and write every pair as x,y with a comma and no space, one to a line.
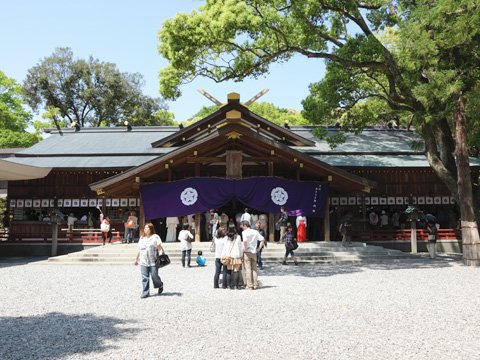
172,224
346,231
301,223
246,217
250,238
383,220
373,219
214,221
148,246
71,219
186,237
282,222
224,220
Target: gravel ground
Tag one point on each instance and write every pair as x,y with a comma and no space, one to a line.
418,309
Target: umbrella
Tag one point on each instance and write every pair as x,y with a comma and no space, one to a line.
430,218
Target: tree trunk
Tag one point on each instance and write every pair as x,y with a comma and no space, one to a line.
443,171
470,236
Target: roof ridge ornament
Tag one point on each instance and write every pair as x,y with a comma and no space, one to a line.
233,97
256,97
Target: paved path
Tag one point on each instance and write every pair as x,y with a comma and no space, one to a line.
418,309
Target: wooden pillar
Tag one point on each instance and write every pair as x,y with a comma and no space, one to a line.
197,227
326,221
271,217
271,227
413,232
54,236
364,212
141,217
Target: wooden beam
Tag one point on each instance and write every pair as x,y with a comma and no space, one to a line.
205,159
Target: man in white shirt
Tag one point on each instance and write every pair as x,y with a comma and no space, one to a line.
250,238
246,217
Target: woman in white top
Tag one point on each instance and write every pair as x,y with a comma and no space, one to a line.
185,237
148,246
234,251
219,239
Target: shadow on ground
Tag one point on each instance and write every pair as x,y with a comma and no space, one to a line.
57,335
20,260
323,270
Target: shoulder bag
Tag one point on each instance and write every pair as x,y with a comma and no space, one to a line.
227,260
162,260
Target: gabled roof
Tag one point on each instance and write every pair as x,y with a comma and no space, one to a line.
257,148
239,112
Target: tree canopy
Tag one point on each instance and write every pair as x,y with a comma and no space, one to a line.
14,118
369,74
91,93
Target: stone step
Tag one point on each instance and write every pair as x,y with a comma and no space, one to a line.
312,252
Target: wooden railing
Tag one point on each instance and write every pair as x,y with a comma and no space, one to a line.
399,235
64,236
95,235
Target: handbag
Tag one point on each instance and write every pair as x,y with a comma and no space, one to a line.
293,245
212,246
162,260
227,260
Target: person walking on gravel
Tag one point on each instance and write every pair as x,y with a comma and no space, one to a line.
288,240
148,246
186,237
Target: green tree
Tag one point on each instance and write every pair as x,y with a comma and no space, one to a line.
265,109
14,118
425,78
91,92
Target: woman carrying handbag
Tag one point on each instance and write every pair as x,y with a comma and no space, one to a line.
148,247
232,255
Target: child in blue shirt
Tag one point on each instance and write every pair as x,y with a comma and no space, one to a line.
201,259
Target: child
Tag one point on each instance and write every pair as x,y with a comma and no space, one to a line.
201,259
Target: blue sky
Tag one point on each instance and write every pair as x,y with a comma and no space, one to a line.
125,33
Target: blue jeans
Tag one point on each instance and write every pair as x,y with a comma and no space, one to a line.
147,272
259,259
218,269
189,256
130,234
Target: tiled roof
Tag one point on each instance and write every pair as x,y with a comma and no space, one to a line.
117,148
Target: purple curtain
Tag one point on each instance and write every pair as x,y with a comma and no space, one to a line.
266,194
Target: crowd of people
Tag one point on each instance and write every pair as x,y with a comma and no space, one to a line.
238,253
